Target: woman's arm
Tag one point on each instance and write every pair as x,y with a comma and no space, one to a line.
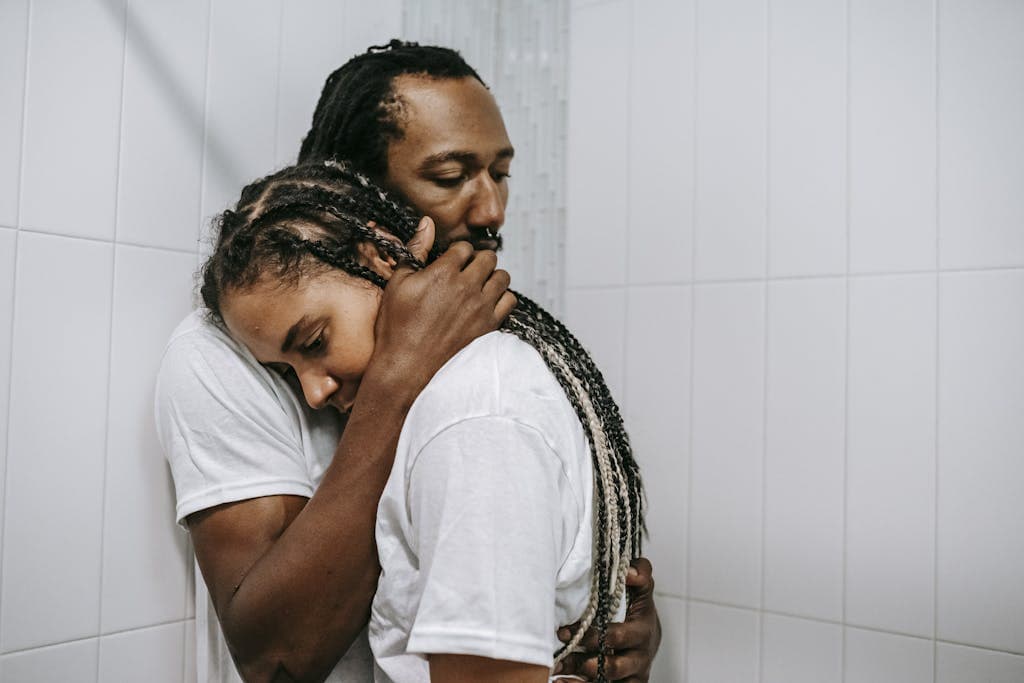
292,579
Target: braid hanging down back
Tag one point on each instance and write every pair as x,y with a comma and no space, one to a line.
314,216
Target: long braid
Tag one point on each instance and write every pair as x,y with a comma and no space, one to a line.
315,215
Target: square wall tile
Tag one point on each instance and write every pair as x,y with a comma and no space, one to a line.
310,51
875,657
728,444
13,43
724,644
732,91
661,142
8,240
981,438
800,651
804,437
54,506
189,667
597,150
162,123
960,664
144,551
75,62
890,486
981,105
892,135
241,101
67,663
598,319
658,420
155,655
807,137
670,664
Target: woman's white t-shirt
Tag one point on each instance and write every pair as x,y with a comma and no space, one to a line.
484,527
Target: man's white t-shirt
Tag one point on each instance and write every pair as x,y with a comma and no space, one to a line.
484,527
232,430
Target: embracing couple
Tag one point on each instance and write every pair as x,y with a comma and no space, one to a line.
393,468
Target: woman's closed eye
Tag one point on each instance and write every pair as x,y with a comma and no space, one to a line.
316,345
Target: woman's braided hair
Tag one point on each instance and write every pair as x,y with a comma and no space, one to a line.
313,216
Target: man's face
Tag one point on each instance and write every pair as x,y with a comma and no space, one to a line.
453,160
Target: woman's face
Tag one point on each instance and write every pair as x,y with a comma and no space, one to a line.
322,327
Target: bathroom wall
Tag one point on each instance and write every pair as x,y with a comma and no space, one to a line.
796,244
124,125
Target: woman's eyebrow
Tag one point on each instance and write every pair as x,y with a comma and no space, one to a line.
293,331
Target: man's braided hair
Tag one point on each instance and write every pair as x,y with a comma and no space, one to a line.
313,217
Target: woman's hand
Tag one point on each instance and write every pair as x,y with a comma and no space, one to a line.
634,642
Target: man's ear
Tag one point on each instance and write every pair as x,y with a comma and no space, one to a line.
373,257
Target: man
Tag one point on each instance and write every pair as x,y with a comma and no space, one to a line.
281,520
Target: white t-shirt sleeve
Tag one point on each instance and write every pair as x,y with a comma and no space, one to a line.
487,526
223,431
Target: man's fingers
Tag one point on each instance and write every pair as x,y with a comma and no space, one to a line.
640,574
506,303
497,284
482,265
617,667
619,636
423,239
459,253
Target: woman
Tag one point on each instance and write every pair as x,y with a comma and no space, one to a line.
514,504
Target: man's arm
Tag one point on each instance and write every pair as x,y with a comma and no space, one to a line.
635,641
292,579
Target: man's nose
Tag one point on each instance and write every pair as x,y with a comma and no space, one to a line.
317,387
488,209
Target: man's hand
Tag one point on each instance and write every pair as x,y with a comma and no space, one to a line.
633,642
427,316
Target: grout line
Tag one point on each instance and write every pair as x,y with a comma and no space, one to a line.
14,299
103,240
847,217
623,335
765,349
206,128
935,453
73,641
277,82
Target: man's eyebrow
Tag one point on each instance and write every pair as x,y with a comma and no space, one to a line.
293,331
462,157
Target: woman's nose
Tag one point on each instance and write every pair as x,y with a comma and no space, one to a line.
317,388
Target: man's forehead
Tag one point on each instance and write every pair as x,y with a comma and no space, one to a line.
450,116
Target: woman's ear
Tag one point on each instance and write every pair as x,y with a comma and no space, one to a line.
375,258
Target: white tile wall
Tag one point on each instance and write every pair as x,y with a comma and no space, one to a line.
723,644
670,664
806,137
890,485
153,654
803,477
72,115
69,663
658,413
162,126
874,657
981,105
855,404
981,438
7,245
731,145
54,479
598,133
13,40
728,444
595,316
892,135
144,573
800,651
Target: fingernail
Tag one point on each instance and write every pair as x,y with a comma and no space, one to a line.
633,573
423,223
563,634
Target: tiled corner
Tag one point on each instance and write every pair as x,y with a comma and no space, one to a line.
732,92
598,128
68,663
892,135
658,420
144,568
728,444
670,664
876,657
890,487
724,644
981,104
162,124
73,105
800,651
804,432
661,143
54,507
981,438
8,239
13,43
154,654
961,664
807,138
598,319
